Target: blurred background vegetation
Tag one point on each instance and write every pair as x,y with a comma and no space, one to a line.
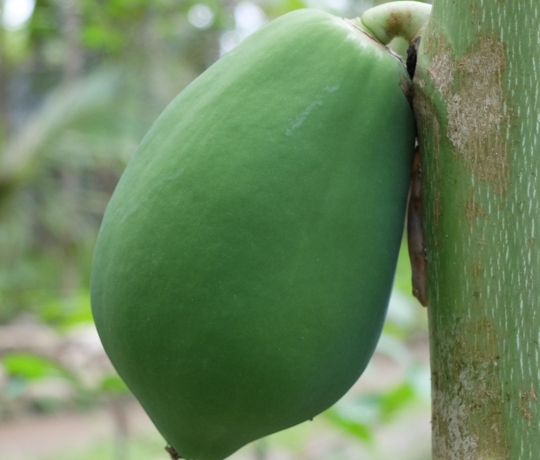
81,81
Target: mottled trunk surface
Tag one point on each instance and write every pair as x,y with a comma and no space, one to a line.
478,107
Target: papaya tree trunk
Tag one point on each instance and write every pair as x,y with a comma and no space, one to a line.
478,110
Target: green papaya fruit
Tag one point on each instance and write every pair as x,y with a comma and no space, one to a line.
245,261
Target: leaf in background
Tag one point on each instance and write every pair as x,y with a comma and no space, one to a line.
351,426
33,367
396,399
68,312
113,384
100,37
363,414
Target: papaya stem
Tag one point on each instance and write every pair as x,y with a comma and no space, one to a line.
396,19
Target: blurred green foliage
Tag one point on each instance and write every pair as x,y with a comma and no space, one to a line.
31,367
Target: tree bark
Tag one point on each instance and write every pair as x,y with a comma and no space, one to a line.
478,110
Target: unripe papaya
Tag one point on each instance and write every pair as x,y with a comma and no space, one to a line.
245,261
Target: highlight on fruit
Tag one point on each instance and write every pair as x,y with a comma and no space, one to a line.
243,268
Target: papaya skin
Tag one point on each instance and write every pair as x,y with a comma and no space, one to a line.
243,268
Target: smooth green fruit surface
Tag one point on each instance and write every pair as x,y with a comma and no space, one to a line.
246,258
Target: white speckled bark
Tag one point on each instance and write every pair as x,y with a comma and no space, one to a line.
478,108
